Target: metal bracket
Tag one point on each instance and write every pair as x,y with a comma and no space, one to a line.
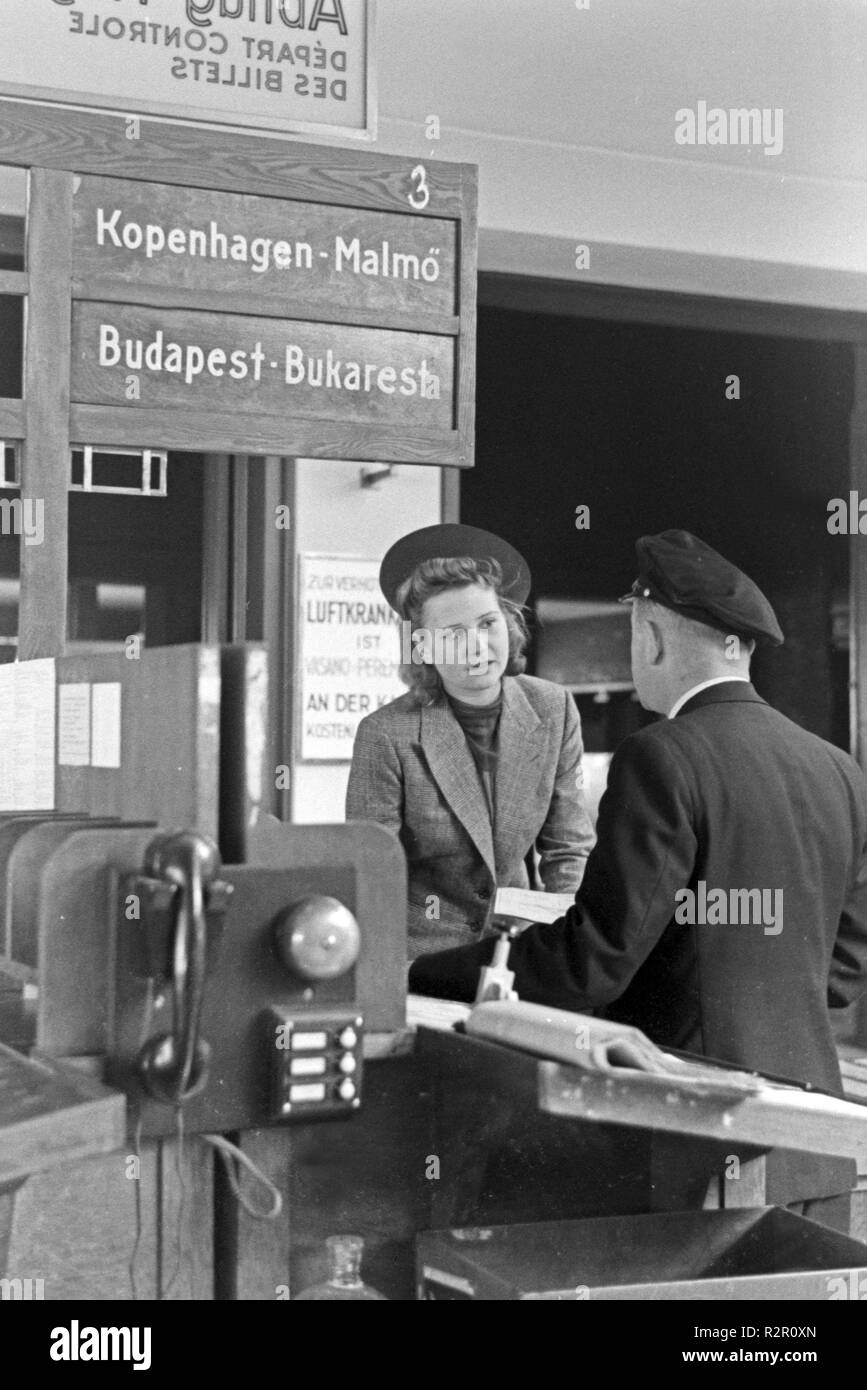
149,946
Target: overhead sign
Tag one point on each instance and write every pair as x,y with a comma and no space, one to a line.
126,354
286,65
199,239
278,299
348,650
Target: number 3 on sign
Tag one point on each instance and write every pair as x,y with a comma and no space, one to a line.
420,196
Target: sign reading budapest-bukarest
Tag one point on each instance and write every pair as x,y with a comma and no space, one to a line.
285,65
180,358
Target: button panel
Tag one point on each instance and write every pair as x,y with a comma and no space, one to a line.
325,1045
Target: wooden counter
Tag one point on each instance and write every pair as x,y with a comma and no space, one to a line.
453,1131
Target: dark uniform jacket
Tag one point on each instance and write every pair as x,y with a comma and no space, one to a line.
732,795
412,770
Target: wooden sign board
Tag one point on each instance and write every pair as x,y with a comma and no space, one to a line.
198,239
286,65
188,360
353,272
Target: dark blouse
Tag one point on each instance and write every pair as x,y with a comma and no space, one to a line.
480,724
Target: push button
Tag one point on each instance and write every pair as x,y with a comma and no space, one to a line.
307,1066
314,1090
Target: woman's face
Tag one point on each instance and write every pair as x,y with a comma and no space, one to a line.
466,638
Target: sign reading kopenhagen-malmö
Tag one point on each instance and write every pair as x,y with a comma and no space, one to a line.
316,253
285,65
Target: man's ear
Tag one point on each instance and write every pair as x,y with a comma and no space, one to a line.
655,643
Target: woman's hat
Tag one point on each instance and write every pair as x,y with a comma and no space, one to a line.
450,541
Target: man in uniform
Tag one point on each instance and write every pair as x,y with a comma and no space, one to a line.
723,910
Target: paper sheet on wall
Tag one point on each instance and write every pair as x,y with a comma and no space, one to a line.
73,725
7,737
27,736
35,695
105,724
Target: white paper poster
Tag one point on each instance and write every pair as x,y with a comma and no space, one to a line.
7,737
27,708
105,721
73,735
349,653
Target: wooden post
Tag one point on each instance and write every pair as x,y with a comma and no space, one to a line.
45,455
278,620
240,466
215,550
450,494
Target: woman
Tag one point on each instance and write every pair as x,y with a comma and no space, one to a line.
476,764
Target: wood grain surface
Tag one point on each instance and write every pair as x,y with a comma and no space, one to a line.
92,144
220,431
51,1116
11,419
45,457
76,1227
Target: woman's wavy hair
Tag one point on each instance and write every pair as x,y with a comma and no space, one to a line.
433,577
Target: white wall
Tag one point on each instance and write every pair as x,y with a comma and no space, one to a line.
336,516
569,115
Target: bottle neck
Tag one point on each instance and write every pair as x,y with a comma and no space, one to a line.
346,1254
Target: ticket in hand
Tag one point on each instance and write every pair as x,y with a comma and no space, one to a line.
530,906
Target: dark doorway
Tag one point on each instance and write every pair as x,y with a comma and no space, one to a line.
633,421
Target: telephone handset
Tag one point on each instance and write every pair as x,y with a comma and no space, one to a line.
174,1066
